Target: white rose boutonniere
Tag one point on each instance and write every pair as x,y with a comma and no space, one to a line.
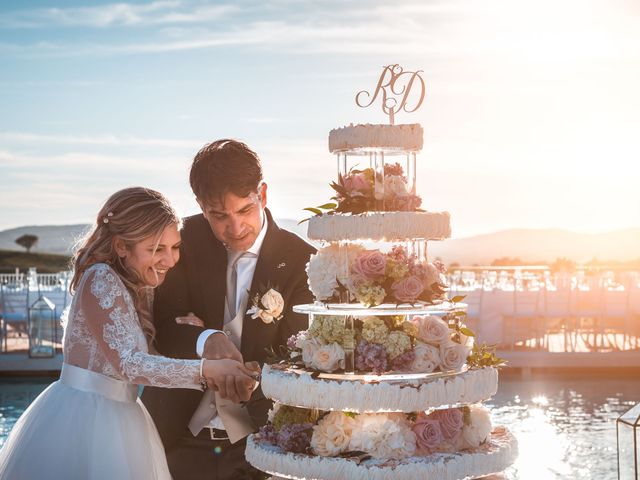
267,307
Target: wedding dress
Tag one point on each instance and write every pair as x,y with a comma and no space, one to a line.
90,424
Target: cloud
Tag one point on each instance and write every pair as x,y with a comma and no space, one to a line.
116,15
307,28
104,140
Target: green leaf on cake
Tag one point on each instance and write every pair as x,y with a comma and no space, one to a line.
328,206
467,332
313,210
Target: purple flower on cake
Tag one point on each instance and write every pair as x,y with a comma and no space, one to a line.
398,253
427,358
404,362
428,433
453,355
296,340
295,437
370,264
432,329
451,422
408,289
269,434
371,357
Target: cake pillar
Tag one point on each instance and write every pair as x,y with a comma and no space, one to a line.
411,172
349,345
378,188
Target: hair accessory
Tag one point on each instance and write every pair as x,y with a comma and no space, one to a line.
106,219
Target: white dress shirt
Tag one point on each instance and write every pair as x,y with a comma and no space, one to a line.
246,267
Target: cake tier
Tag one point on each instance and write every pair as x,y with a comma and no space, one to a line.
386,226
304,388
385,309
377,137
492,457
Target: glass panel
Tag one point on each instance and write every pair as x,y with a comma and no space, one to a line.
626,452
632,415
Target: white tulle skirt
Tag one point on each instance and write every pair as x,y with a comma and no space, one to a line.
84,426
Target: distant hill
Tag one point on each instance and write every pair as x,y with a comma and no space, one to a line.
51,238
540,245
530,245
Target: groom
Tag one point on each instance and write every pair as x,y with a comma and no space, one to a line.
230,253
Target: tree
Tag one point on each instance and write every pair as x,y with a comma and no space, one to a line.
27,241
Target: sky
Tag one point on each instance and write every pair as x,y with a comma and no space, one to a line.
531,114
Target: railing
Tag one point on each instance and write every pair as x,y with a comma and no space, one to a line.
18,292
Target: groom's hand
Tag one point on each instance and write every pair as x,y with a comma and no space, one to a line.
219,346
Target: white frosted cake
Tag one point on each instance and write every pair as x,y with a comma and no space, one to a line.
390,137
387,382
386,226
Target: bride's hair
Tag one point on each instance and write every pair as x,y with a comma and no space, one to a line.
132,214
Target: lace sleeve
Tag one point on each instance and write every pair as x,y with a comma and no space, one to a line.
111,318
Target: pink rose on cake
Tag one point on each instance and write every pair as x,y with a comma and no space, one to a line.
357,182
429,273
309,347
408,289
383,436
427,358
428,433
370,264
332,434
451,422
432,329
328,358
453,355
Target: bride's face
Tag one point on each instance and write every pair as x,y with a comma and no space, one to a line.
151,258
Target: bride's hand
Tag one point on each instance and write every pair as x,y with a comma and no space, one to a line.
230,378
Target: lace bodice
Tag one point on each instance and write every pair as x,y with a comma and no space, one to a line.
103,334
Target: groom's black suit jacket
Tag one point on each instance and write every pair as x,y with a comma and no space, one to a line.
198,284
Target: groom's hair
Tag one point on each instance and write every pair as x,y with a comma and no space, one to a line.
225,166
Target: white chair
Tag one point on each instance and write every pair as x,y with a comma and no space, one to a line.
558,319
523,325
15,311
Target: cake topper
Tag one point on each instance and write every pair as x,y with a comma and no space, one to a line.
394,83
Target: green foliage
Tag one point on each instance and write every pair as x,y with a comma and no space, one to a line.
43,262
287,415
484,356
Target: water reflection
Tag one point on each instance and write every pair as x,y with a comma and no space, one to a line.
565,425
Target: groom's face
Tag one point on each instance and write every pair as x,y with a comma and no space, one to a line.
236,221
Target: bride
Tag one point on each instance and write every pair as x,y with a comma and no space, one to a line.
90,423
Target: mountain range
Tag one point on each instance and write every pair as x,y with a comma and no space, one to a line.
529,245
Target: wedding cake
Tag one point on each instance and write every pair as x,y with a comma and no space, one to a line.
387,382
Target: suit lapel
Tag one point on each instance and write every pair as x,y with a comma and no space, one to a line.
263,275
212,261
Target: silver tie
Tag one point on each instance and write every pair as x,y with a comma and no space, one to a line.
232,281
